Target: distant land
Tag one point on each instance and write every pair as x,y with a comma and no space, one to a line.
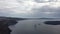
14,20
10,20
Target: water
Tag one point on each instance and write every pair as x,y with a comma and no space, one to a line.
35,26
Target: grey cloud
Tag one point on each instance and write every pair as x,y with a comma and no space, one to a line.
43,12
40,1
47,9
52,0
5,12
37,12
43,1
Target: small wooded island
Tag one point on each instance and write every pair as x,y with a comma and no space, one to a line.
52,22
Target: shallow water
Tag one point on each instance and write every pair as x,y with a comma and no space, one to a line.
35,27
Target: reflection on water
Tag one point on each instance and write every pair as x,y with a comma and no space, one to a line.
35,27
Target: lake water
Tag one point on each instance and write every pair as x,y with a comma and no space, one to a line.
35,26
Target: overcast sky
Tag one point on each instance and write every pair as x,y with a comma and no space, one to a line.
30,8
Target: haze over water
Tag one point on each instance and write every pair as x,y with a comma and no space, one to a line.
35,26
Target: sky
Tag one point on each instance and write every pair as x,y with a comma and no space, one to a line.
30,8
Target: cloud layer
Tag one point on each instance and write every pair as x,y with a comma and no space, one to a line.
29,8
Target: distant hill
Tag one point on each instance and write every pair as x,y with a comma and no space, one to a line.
10,20
13,18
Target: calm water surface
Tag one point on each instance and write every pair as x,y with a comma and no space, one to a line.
35,26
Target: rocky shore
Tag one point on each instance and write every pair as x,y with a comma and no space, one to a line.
4,27
5,22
